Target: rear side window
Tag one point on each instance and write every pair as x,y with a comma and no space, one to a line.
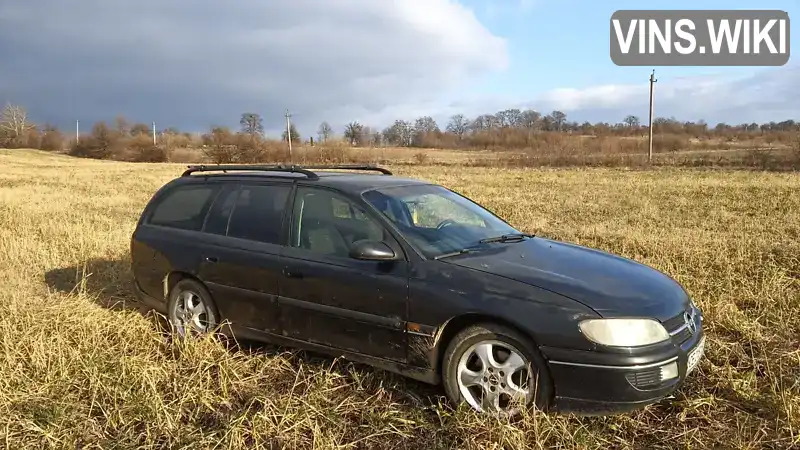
220,213
183,207
258,213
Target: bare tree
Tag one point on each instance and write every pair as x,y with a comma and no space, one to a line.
558,119
530,119
324,131
122,126
509,118
426,124
484,122
458,125
252,125
423,127
632,121
399,133
376,138
354,132
14,122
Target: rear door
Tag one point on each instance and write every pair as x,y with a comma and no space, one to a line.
329,298
240,257
166,237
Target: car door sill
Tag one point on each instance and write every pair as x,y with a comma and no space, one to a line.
418,373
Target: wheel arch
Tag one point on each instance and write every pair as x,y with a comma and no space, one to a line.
454,325
173,277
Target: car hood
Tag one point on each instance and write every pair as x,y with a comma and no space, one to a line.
611,285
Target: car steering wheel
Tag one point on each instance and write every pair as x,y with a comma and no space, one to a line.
445,223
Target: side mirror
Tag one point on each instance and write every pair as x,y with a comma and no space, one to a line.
372,251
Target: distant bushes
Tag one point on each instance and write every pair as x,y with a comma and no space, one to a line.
124,142
786,159
509,138
51,139
547,149
101,144
552,142
219,146
222,146
141,149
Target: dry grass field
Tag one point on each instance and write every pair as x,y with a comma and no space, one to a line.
82,368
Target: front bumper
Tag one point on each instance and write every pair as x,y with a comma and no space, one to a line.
593,382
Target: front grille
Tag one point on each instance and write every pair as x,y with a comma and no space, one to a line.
645,378
674,324
683,336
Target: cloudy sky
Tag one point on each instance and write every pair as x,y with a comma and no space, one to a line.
192,64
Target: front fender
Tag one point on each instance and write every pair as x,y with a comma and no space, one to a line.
444,299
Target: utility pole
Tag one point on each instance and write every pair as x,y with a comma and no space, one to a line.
652,86
289,133
77,131
154,133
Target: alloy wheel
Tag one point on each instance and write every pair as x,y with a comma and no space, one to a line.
493,376
190,313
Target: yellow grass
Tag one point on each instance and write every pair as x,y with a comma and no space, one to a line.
76,373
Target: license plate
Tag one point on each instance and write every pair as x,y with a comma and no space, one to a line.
695,355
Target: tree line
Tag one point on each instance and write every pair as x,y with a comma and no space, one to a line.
509,129
515,128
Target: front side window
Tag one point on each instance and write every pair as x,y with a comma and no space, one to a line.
435,219
183,207
328,223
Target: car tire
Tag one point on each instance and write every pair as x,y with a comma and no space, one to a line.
191,307
468,380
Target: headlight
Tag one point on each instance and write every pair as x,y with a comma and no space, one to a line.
624,332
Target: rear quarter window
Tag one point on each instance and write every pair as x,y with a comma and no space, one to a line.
183,207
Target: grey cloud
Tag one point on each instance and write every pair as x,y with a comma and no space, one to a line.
192,64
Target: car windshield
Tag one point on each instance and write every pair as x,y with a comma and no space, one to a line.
437,220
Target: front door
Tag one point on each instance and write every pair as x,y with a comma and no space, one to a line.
329,298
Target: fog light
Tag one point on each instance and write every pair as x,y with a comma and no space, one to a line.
669,371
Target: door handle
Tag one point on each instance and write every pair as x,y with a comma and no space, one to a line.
211,259
291,274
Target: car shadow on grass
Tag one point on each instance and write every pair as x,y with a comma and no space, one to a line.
109,282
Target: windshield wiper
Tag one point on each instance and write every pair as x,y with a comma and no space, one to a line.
455,253
506,238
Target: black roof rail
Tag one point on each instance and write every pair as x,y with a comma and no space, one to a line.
226,167
352,167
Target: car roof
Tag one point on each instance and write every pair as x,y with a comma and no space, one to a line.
350,182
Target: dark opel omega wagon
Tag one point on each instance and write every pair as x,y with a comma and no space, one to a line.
411,277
